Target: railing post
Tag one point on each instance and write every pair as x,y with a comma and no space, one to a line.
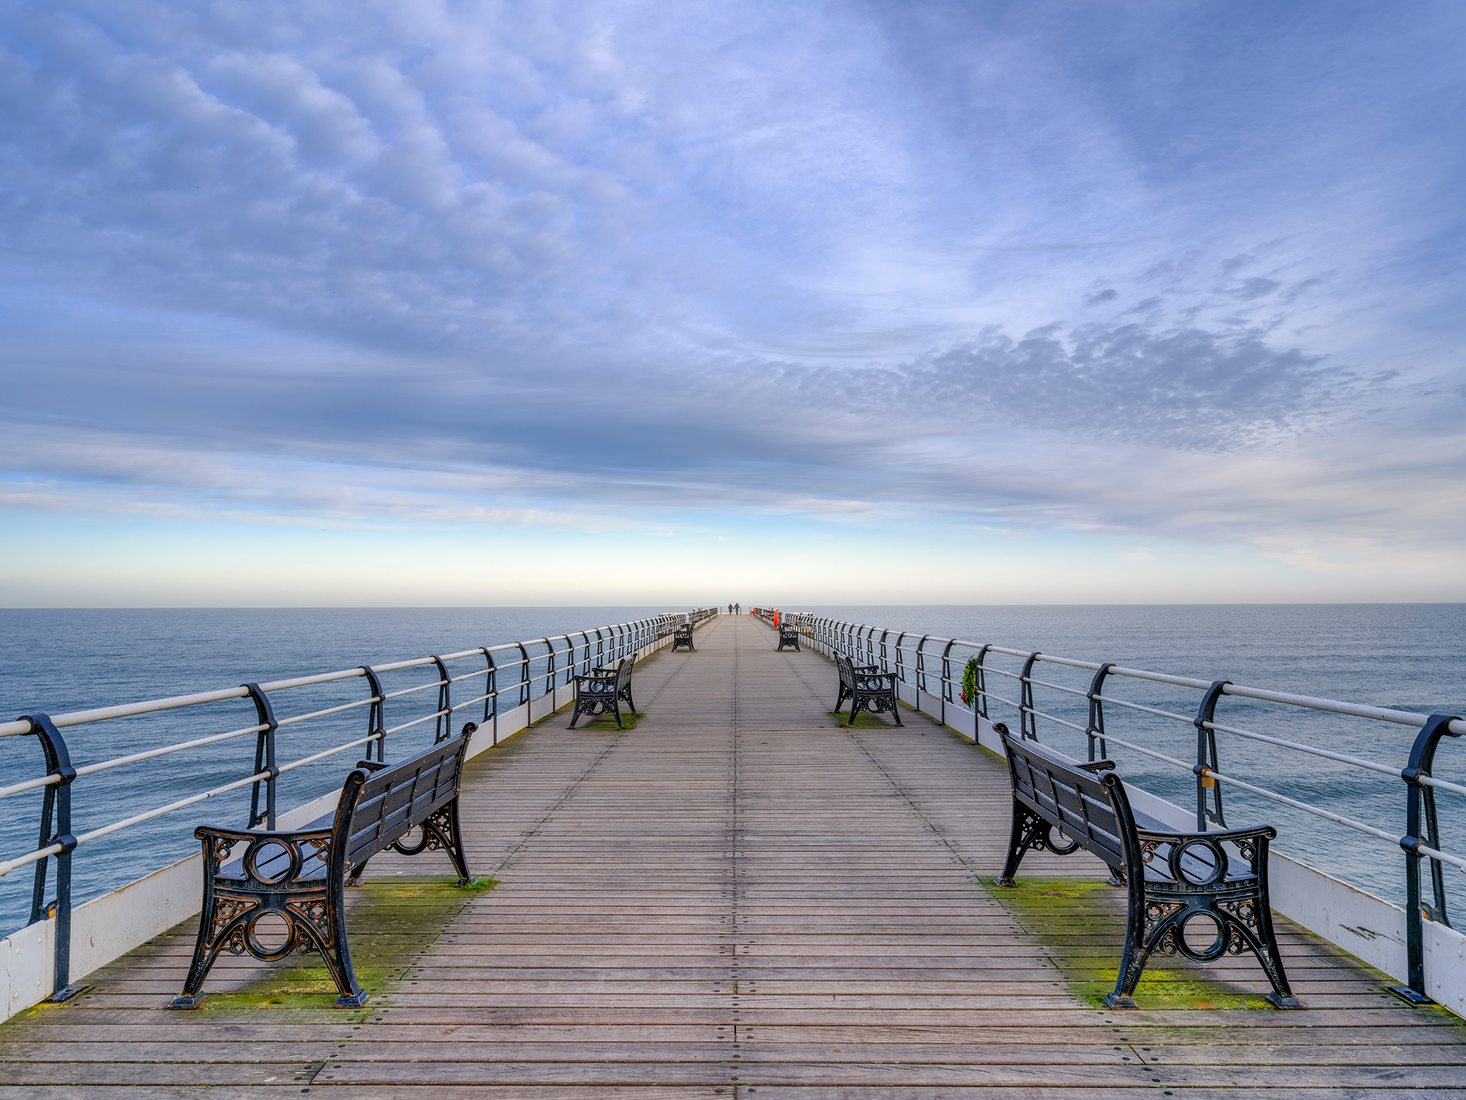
980,685
1421,832
947,678
550,668
443,724
264,760
491,694
56,810
1207,788
1095,734
1027,720
376,722
921,666
524,676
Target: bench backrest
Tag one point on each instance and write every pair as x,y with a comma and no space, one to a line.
623,675
1091,809
845,669
380,807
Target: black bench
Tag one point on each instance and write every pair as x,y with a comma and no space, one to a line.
602,691
788,636
297,877
867,688
1171,878
682,638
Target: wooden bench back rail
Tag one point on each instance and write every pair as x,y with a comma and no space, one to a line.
789,636
682,638
297,877
603,691
1171,878
867,688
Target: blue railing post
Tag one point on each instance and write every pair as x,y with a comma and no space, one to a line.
1421,832
1095,733
1027,720
947,679
443,725
1208,790
980,685
56,829
550,668
376,722
264,760
523,675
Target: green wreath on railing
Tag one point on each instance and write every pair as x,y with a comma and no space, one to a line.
969,681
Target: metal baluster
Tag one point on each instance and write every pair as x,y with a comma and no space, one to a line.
1208,790
56,810
264,760
376,722
1421,831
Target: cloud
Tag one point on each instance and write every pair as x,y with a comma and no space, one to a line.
507,263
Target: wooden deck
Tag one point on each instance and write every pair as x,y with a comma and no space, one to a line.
736,898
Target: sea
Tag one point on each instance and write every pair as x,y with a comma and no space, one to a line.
1408,657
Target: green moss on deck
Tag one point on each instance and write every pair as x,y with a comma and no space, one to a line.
1056,911
866,720
389,926
629,718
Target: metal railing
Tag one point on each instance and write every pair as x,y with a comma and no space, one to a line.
479,684
985,683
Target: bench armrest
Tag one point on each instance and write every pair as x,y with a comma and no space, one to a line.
1259,832
283,835
273,856
1097,766
1252,846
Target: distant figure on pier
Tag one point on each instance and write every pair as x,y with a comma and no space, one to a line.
738,609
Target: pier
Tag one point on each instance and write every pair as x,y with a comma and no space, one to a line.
738,897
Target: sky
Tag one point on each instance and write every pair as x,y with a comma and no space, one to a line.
798,303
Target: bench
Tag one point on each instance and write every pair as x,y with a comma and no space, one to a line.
1218,879
867,688
294,879
602,691
788,636
682,638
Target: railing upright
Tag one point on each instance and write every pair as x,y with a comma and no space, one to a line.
1421,840
1094,733
980,681
443,723
491,693
1027,720
376,720
549,665
523,674
264,760
56,831
1208,790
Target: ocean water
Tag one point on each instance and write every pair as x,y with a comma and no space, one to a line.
1404,656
